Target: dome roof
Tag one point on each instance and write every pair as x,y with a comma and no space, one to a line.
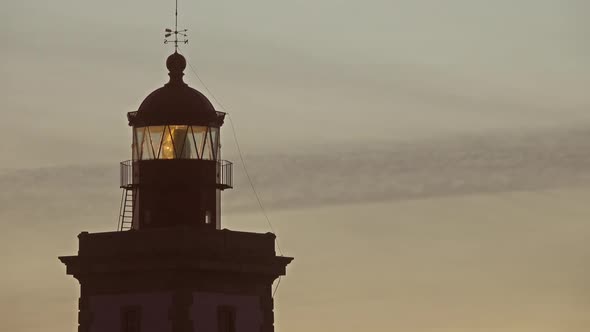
175,98
175,102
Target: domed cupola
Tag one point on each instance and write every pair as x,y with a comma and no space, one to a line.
176,102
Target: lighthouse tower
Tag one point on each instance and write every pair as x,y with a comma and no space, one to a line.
170,267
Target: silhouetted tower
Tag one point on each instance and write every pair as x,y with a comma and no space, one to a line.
170,267
176,174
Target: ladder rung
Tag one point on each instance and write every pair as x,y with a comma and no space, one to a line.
126,211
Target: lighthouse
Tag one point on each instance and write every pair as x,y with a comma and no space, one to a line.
171,266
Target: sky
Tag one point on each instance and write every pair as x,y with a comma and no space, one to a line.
426,162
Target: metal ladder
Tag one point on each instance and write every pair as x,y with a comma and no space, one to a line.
126,210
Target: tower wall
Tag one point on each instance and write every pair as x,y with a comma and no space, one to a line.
248,310
157,311
105,311
176,193
178,278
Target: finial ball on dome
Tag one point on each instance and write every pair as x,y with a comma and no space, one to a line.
176,63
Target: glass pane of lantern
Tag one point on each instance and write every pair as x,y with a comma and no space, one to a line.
178,134
215,142
189,150
167,147
207,150
156,133
199,133
146,147
137,142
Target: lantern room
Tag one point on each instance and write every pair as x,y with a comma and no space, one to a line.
175,142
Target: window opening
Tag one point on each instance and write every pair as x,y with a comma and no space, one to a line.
226,319
200,138
178,134
131,319
147,152
156,134
167,147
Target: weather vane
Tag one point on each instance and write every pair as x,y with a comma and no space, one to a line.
176,33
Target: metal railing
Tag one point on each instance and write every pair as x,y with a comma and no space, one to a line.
126,174
224,174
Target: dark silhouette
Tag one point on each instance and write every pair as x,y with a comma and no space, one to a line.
170,266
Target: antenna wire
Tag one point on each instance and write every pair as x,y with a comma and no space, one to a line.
241,155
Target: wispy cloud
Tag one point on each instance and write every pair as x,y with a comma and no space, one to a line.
396,171
335,174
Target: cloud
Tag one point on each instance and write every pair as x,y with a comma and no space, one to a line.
333,175
399,171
